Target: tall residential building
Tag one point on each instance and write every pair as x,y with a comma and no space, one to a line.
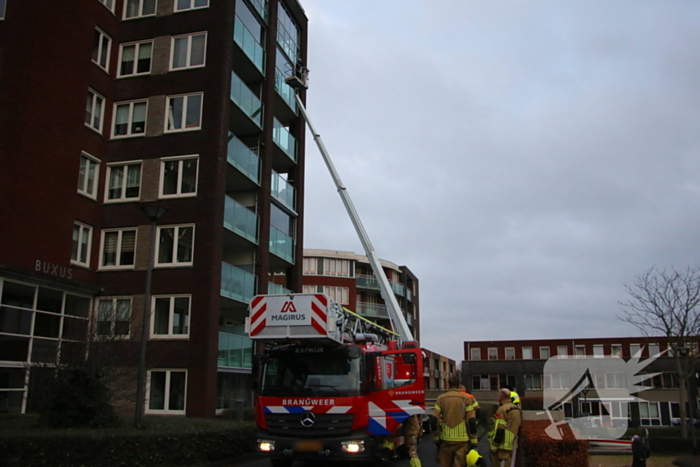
108,106
348,279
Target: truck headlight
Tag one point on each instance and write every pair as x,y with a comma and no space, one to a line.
266,445
353,446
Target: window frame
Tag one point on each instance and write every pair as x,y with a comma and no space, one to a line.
137,50
95,95
310,271
649,349
183,121
82,189
113,2
83,226
161,178
617,347
122,198
565,354
190,8
166,401
142,3
130,118
113,320
472,354
548,352
3,9
489,353
576,351
175,263
334,290
100,51
120,238
525,350
639,349
171,309
190,36
510,350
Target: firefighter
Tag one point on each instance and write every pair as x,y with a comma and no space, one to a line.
503,430
514,396
456,424
474,458
477,409
412,429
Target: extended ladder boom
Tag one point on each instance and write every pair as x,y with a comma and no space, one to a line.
397,318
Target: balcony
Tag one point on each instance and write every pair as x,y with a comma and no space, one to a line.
372,310
409,294
283,191
281,245
236,283
285,153
241,220
365,281
276,289
398,288
240,156
246,115
289,110
251,62
235,351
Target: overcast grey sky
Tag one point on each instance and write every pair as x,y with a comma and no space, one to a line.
524,159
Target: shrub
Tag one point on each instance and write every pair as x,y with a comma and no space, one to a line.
539,450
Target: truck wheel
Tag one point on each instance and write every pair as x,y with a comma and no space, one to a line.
281,462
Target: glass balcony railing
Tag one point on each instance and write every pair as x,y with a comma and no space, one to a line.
284,139
285,91
281,244
261,7
277,289
240,219
367,281
283,191
372,310
237,283
245,99
246,41
409,294
235,351
240,156
398,288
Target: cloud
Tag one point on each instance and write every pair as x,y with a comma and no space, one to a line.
524,159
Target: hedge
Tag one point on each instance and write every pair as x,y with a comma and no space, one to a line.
164,442
537,449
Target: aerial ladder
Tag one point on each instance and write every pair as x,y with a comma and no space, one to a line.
299,81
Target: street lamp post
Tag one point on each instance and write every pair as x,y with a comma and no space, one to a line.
153,213
685,353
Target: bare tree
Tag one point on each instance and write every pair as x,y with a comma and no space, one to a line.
665,303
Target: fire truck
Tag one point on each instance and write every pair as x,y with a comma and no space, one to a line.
333,385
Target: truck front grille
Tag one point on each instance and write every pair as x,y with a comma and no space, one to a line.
289,424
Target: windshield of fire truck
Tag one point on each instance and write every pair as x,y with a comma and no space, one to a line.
312,371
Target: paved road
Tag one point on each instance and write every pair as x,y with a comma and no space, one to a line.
426,452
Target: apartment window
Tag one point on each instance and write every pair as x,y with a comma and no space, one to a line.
580,351
130,119
336,267
309,289
101,44
544,353
649,413
510,353
113,317
616,350
527,353
94,111
171,316
139,8
614,381
598,351
634,348
476,353
339,294
123,182
135,59
533,382
82,236
653,349
310,266
175,245
167,390
179,176
183,5
184,112
107,3
87,177
562,351
188,51
118,248
2,9
493,353
556,381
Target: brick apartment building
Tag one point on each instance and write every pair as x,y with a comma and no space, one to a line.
437,370
112,105
491,365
